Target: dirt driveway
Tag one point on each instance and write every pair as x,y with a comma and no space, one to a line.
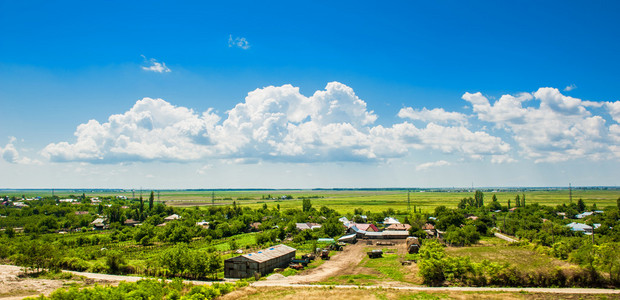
342,261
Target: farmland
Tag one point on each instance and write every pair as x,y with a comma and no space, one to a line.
345,201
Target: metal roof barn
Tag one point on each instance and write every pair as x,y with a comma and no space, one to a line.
262,262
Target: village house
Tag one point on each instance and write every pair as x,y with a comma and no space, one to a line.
389,221
98,224
203,224
132,222
255,226
399,227
579,227
362,226
306,226
172,217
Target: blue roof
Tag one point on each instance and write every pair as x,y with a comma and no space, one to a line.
579,227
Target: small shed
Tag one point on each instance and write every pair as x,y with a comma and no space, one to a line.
263,262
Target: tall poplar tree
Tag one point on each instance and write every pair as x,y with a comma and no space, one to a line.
151,200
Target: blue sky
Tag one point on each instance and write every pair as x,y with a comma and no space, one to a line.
313,94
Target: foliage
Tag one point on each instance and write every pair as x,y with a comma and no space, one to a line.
145,289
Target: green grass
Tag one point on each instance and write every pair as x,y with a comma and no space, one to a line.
389,266
496,250
242,240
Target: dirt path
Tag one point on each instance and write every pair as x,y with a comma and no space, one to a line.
13,286
349,258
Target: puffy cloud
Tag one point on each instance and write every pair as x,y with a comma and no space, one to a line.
11,155
240,42
433,164
437,115
155,66
559,129
569,88
272,124
614,110
152,129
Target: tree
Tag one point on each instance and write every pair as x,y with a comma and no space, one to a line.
494,198
141,207
618,202
115,214
36,255
581,206
479,197
509,204
115,261
517,201
144,234
151,200
214,264
306,205
10,232
523,200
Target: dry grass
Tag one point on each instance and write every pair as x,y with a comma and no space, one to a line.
270,293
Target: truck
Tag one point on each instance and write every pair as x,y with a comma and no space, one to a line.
413,244
375,253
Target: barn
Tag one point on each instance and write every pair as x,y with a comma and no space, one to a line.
263,262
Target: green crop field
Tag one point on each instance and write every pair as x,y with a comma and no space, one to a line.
345,201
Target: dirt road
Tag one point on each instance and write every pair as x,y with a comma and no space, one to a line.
337,264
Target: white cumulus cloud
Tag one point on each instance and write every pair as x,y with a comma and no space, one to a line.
240,42
569,88
271,124
438,115
614,110
432,164
155,66
561,127
10,154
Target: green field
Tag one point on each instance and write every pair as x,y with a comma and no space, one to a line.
345,201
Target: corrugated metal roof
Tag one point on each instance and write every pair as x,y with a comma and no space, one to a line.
346,237
270,253
387,233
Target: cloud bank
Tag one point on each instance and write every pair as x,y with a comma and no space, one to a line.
272,124
560,128
279,124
